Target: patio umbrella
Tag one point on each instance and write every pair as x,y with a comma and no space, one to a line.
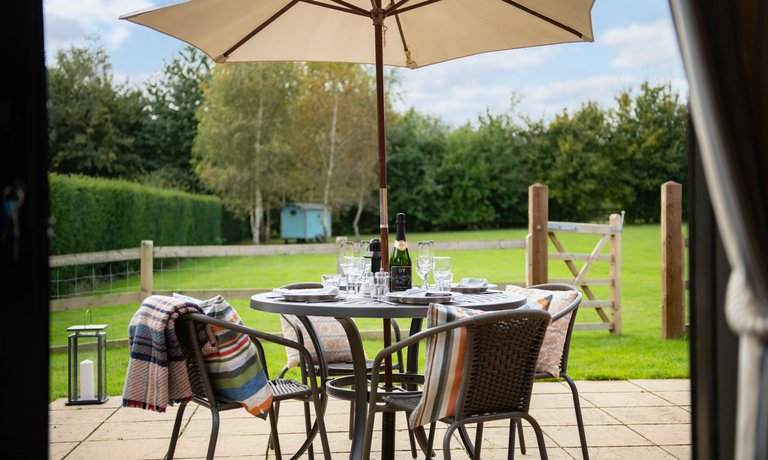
403,33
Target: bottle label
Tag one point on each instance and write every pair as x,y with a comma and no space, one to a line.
401,277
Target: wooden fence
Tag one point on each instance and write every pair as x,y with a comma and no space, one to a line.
541,233
673,247
147,254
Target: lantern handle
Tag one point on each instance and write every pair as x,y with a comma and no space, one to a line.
88,317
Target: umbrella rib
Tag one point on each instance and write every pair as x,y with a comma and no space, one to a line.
257,30
351,8
394,6
544,18
392,11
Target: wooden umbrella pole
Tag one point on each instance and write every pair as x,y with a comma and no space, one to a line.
378,22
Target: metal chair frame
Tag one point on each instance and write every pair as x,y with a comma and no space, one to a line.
283,389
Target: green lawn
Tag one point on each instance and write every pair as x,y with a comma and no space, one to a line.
638,353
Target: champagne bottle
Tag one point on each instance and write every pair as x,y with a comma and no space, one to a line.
400,262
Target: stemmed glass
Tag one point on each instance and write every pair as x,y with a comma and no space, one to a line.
442,270
346,254
425,251
356,271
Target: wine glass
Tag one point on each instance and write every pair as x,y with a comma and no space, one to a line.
425,251
356,271
346,253
442,271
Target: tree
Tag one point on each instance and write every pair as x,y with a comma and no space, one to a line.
334,131
572,157
170,130
417,145
650,141
93,121
239,148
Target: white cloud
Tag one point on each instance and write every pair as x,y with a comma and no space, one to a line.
68,22
642,45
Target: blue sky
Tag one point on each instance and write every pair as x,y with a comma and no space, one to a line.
634,42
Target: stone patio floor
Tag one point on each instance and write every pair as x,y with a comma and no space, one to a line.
626,419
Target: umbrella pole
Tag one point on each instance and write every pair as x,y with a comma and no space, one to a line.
383,218
388,418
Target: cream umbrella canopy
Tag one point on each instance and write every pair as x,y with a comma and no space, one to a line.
404,33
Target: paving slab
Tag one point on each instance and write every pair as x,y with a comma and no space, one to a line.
624,453
649,415
645,419
665,435
625,399
663,384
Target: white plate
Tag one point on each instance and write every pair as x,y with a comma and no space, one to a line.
421,299
456,288
295,295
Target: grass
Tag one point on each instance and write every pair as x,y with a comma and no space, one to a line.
595,355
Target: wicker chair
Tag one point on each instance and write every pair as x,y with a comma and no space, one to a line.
326,369
283,389
573,307
502,349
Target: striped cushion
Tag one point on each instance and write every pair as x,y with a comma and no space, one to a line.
234,368
445,358
554,341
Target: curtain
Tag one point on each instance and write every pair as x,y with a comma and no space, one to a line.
724,46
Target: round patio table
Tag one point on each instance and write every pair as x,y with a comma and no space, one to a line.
344,310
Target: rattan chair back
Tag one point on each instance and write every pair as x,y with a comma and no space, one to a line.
501,362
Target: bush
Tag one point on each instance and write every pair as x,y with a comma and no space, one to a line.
90,214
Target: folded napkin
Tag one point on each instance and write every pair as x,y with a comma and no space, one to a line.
421,292
328,290
473,283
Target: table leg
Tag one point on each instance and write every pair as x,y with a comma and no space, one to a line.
412,358
356,450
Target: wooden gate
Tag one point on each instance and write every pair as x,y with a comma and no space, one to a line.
608,310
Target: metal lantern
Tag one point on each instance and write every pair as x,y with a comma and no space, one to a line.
87,366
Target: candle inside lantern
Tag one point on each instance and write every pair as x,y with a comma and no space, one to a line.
86,379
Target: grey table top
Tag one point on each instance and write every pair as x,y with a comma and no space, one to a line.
361,307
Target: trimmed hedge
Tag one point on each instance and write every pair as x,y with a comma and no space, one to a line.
91,214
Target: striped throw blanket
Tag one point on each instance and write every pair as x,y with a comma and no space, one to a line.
234,368
157,372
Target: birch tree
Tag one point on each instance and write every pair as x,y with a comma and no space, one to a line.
239,148
335,131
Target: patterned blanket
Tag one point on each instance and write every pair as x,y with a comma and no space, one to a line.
234,368
157,372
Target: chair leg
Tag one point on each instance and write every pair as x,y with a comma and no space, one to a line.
214,433
579,420
351,417
276,408
513,426
478,441
308,426
519,423
273,432
431,441
411,437
175,433
539,436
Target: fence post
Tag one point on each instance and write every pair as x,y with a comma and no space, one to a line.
617,226
147,256
672,262
536,242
